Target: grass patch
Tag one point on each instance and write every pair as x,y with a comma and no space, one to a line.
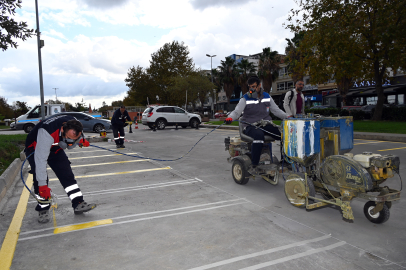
4,127
359,126
10,148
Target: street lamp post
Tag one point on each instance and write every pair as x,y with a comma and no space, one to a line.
41,85
211,71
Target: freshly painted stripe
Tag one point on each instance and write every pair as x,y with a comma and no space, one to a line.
134,188
145,214
256,254
72,187
99,164
141,219
369,142
10,240
81,152
392,149
117,173
82,226
293,257
102,156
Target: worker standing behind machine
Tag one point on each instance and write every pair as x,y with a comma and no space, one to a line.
48,139
118,122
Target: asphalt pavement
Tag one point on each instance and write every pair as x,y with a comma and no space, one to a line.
177,211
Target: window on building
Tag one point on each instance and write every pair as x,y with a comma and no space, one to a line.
289,85
372,100
401,99
283,71
281,86
392,99
307,81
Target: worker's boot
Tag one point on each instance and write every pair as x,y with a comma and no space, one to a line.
83,207
43,216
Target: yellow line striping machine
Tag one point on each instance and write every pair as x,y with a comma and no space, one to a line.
318,149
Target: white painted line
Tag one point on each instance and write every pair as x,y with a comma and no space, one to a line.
256,254
116,173
81,152
106,163
139,219
102,156
293,257
136,188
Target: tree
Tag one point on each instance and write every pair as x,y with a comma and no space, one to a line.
268,67
9,28
228,75
141,86
294,58
117,103
245,68
20,108
170,61
197,85
365,32
5,109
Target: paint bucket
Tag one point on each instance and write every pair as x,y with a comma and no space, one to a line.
109,140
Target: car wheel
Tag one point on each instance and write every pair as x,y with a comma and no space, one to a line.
161,124
28,128
97,128
194,123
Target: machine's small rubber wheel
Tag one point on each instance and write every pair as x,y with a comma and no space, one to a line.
161,124
240,173
380,217
294,185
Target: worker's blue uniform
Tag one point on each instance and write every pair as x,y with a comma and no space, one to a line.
118,122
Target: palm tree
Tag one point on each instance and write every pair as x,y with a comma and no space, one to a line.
245,68
228,76
268,67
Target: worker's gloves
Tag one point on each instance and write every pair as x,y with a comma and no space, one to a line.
44,192
84,143
228,120
125,124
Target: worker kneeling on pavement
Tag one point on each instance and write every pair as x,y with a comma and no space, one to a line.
48,139
118,122
256,105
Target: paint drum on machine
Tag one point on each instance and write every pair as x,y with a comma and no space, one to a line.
301,139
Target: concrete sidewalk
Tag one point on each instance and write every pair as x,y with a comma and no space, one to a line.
357,135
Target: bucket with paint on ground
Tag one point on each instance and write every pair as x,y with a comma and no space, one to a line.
109,140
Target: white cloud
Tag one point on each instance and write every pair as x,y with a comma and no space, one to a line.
94,68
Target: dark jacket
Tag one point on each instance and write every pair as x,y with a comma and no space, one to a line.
119,118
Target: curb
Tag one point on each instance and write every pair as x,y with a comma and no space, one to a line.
8,177
357,135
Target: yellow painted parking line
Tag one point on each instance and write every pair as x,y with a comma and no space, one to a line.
369,142
11,238
98,164
117,173
82,226
102,156
392,149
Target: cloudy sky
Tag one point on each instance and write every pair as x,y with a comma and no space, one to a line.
91,44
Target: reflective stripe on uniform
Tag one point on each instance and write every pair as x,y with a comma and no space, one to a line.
74,195
252,102
72,187
258,141
43,205
121,137
266,100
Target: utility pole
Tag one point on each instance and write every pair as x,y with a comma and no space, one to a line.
41,85
56,97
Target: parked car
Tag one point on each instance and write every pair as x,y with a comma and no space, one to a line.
322,107
367,109
89,122
349,108
162,116
13,125
218,115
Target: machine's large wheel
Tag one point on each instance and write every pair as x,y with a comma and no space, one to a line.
240,173
380,217
294,185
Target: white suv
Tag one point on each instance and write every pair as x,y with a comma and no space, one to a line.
163,116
